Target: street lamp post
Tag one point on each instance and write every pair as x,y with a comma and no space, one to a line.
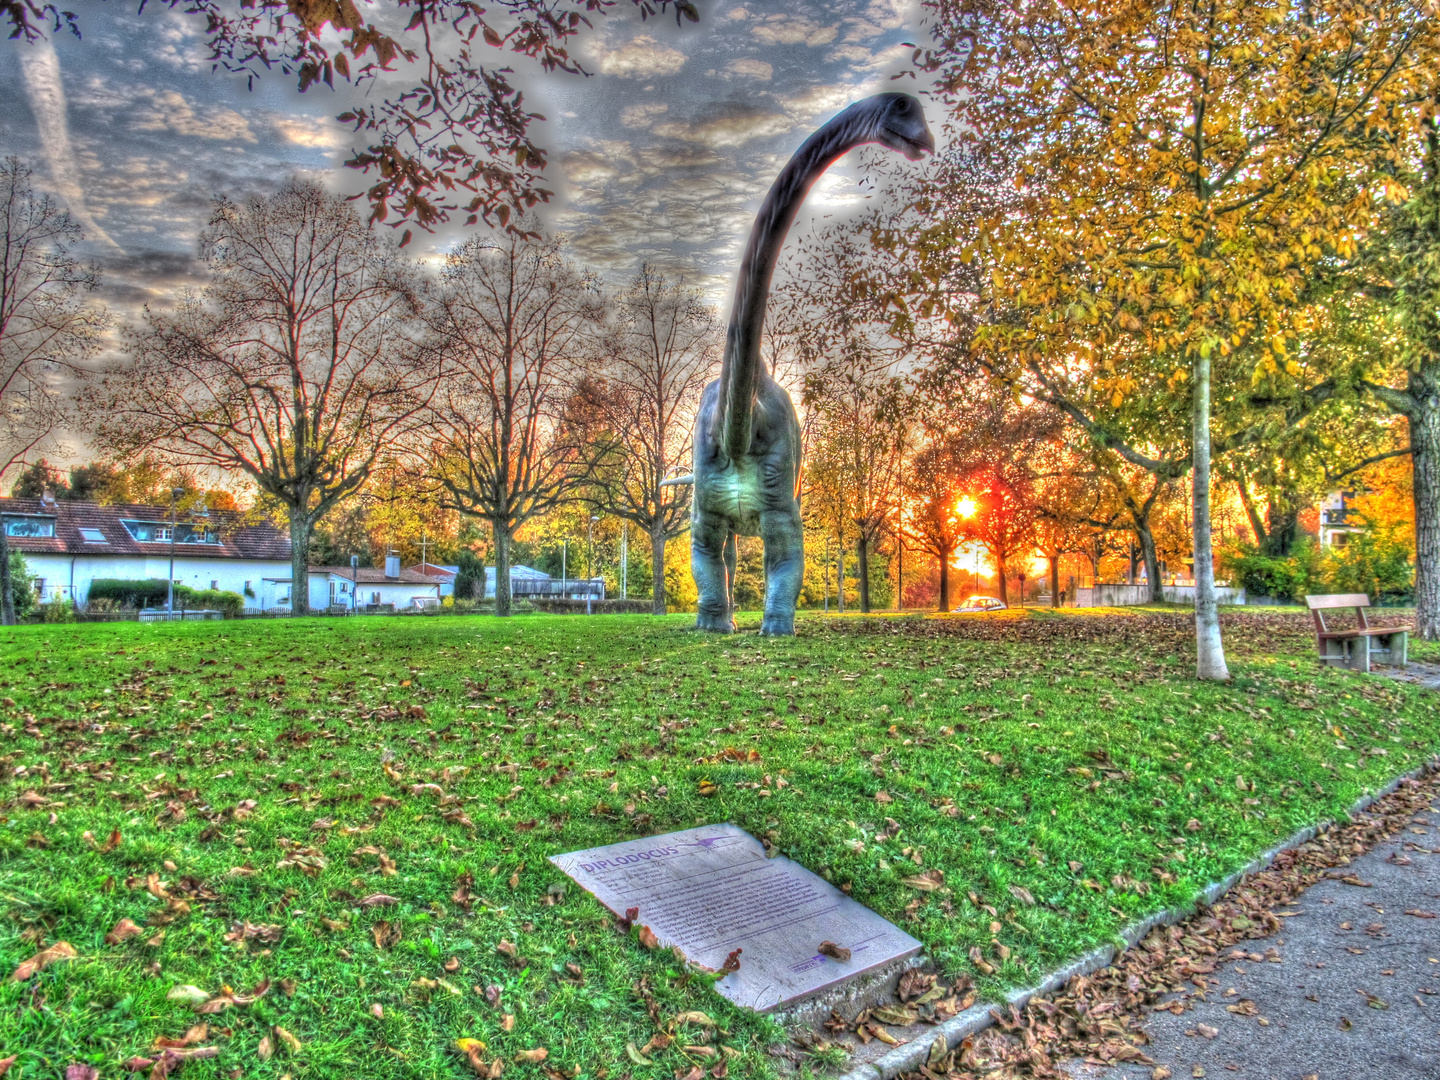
175,494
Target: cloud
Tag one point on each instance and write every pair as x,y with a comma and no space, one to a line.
40,69
169,111
641,58
738,125
816,100
850,54
644,114
738,13
751,68
313,131
793,30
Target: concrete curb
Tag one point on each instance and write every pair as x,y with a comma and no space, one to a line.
910,1056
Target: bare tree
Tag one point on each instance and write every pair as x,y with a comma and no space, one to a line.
663,344
296,366
46,326
512,319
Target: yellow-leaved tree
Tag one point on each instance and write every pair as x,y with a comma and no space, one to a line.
1181,170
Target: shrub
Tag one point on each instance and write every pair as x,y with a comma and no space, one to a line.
132,593
230,604
57,611
1376,562
1285,578
22,588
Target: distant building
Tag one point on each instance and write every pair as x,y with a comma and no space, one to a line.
68,544
1336,525
369,588
443,576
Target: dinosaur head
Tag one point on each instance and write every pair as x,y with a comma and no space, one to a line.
899,123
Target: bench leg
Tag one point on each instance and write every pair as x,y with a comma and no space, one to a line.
1359,654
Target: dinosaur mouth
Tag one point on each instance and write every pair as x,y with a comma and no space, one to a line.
914,149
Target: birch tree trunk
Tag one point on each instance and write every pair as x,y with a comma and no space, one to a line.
1425,442
1209,650
502,569
657,568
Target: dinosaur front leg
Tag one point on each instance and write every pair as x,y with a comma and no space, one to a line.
731,558
708,538
784,539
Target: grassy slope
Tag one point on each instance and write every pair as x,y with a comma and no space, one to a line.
1057,756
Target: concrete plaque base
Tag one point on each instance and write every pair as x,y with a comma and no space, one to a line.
710,891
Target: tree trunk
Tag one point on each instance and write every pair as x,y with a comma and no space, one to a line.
502,569
900,573
299,563
945,582
1152,561
1130,574
657,570
1209,650
1284,528
1004,585
1425,440
862,553
1252,512
840,597
7,588
1054,580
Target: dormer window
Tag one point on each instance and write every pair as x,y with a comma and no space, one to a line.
159,532
28,526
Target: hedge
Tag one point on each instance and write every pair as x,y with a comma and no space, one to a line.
153,593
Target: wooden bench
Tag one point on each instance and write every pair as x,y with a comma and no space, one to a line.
1354,648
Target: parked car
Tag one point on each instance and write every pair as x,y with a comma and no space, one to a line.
981,603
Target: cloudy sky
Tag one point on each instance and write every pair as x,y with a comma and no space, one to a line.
663,153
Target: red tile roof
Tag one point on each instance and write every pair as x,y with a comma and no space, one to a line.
239,538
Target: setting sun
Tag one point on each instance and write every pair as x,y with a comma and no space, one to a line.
965,507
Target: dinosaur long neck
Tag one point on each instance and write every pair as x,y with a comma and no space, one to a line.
740,370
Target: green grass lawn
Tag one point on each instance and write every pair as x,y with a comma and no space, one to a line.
1062,771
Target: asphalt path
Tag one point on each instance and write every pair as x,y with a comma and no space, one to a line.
1349,991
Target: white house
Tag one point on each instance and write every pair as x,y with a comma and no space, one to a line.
1335,523
67,545
444,576
367,588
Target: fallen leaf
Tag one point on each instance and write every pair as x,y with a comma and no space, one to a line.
838,952
291,1042
1160,1072
81,1071
732,962
1354,879
124,930
694,1017
1207,1031
187,993
1345,1024
61,950
266,1049
385,934
5,1063
1421,914
537,1054
377,900
648,938
636,1056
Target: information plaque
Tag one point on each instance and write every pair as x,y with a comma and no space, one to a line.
712,891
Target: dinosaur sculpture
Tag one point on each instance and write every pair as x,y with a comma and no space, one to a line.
747,436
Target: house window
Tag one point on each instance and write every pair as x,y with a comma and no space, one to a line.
93,536
214,584
40,587
29,526
375,598
1340,539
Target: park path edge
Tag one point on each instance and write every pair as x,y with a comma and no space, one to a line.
911,1055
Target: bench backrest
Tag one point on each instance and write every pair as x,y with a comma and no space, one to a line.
1337,600
1320,604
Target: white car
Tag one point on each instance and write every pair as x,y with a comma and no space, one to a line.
981,603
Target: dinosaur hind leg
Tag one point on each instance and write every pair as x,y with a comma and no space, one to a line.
713,578
784,538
